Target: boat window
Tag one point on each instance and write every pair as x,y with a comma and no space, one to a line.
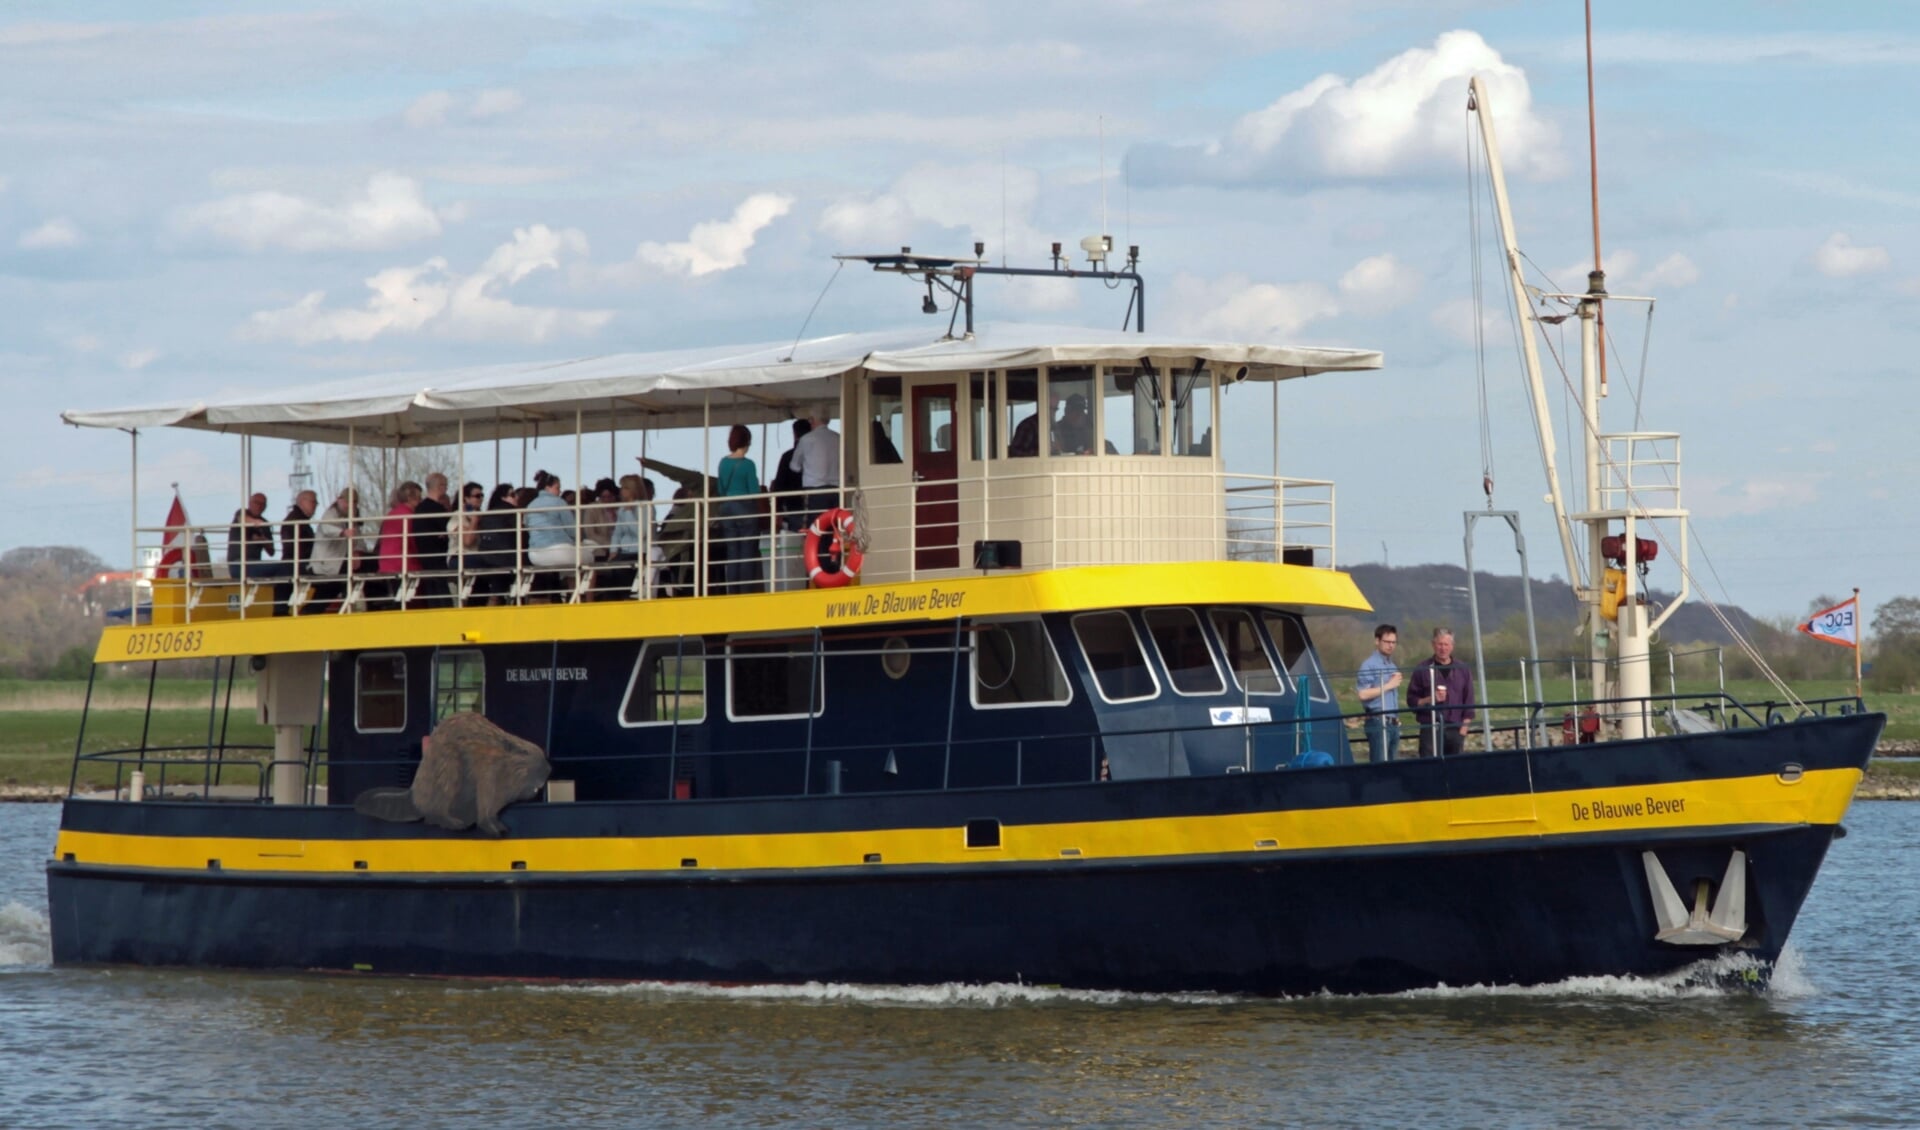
1290,640
1130,411
889,419
669,684
1070,403
1183,650
380,693
1113,651
459,683
986,432
769,679
933,423
1192,412
1014,664
1246,656
1023,413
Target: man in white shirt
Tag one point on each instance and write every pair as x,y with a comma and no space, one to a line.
817,455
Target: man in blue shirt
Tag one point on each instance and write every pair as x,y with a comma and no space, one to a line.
1378,686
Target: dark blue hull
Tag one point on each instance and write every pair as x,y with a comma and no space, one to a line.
1520,908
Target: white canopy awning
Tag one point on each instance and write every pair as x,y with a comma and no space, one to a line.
744,384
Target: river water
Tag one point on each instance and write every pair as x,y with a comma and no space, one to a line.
1835,1042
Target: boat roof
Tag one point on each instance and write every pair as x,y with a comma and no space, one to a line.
674,388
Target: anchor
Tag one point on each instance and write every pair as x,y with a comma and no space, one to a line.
1726,922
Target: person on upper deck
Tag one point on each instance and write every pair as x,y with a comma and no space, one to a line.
296,545
251,536
737,546
1444,687
675,537
624,551
551,540
394,555
498,545
428,527
1378,687
1073,431
787,481
818,455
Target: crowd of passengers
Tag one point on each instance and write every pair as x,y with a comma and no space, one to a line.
417,552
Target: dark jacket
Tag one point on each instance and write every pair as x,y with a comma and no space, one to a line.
296,539
1456,677
428,526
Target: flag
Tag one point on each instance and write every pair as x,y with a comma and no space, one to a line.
175,543
1839,624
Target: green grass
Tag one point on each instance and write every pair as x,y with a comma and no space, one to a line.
127,692
36,746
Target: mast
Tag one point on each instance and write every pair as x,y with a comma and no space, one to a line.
1530,350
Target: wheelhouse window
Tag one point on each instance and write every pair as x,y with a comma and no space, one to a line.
770,679
986,431
1070,397
1182,646
459,683
889,428
1290,640
1014,664
1192,412
1023,413
1113,652
380,693
668,685
1130,411
1246,655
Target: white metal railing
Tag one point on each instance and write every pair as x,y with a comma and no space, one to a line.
1641,471
700,546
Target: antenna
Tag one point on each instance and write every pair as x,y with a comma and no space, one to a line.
1103,172
1597,282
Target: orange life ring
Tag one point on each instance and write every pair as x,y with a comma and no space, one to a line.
836,526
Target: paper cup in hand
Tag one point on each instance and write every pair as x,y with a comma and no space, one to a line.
1439,694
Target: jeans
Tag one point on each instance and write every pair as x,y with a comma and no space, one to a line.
738,548
1383,737
1445,735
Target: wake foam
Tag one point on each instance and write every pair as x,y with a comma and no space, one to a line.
1000,994
1722,976
24,938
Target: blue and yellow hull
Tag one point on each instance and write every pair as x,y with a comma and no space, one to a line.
1492,868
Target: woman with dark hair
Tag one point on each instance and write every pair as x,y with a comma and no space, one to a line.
739,531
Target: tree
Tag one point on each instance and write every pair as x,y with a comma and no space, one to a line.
1897,620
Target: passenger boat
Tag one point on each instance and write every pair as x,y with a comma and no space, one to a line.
1067,725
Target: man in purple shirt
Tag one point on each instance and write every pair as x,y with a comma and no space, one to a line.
1445,689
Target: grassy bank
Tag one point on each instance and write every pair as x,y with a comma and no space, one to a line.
37,746
124,692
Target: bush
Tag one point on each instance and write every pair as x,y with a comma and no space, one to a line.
1896,670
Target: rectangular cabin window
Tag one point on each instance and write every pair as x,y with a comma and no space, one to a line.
380,693
459,683
1070,403
1130,411
933,423
1112,649
986,430
769,679
1290,640
889,428
668,685
1182,644
1014,664
1246,656
1192,412
1023,413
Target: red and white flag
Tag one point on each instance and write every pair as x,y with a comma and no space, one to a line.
175,543
1839,624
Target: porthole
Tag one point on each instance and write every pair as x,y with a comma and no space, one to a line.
895,657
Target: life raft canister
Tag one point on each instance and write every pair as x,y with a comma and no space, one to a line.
836,528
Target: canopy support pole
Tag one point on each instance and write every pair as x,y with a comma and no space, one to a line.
133,584
458,523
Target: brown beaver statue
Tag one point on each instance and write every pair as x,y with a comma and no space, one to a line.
469,770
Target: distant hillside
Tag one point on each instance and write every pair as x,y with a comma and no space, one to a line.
1425,594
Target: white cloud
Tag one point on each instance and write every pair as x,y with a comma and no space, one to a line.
54,233
430,109
718,245
1454,318
1403,118
436,106
391,211
984,202
134,360
430,298
1671,273
1714,497
1380,283
1234,306
495,104
1840,258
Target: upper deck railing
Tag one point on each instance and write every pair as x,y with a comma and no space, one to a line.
703,546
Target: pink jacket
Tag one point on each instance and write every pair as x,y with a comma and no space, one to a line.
394,551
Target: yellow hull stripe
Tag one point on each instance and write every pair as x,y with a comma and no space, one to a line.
1818,798
1056,590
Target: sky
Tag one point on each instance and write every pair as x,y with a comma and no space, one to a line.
204,198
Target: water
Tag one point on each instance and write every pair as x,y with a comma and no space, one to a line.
1834,1043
